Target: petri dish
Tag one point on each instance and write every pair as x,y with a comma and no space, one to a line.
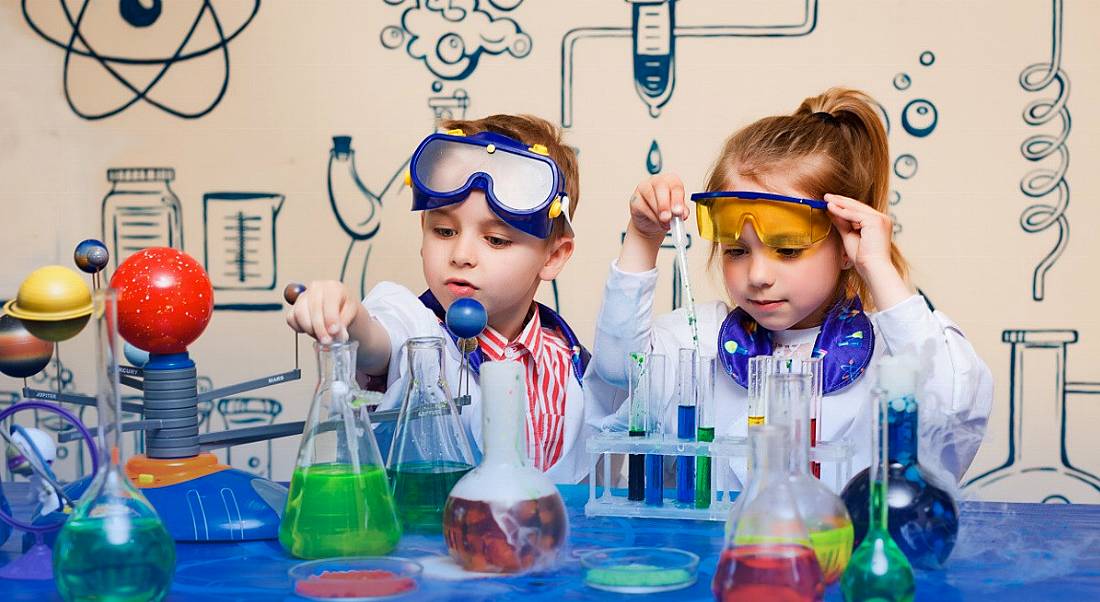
356,578
639,570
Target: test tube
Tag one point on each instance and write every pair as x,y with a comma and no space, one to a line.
758,370
704,416
637,375
654,386
814,365
685,424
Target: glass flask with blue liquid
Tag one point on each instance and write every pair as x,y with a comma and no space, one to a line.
113,546
923,515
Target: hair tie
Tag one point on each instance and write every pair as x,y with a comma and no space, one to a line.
825,117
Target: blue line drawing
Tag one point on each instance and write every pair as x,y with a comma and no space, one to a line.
448,106
1043,181
239,247
138,15
653,33
1044,473
902,81
358,209
905,166
247,412
140,211
919,117
450,36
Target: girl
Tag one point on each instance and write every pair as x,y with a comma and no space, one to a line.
805,277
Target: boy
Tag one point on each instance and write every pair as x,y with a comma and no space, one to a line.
496,197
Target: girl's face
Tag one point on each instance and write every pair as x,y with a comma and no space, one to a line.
781,288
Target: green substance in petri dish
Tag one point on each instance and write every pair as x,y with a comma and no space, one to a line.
88,566
333,511
420,490
637,575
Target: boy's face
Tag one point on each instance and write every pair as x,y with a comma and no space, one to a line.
467,251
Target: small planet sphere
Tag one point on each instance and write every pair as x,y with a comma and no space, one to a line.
91,256
293,291
137,357
21,353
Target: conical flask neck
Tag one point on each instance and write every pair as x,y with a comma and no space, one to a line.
336,362
425,357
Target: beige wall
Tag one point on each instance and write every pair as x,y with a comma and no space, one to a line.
302,72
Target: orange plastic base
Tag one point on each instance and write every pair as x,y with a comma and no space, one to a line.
148,472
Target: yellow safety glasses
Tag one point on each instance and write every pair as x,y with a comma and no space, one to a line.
779,221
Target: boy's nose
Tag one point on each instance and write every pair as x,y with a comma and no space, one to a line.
463,252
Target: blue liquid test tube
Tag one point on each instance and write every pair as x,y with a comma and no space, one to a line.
685,425
653,385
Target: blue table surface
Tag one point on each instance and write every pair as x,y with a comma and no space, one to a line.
1006,552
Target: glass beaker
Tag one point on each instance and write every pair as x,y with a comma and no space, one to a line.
430,451
768,555
878,569
340,502
826,518
924,518
504,516
140,211
113,546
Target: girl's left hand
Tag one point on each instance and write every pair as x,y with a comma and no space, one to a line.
866,233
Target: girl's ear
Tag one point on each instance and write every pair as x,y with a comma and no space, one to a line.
846,262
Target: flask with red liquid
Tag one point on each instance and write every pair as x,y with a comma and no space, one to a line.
768,555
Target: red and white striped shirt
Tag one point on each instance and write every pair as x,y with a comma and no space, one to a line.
546,358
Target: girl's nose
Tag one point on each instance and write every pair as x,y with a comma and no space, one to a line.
761,274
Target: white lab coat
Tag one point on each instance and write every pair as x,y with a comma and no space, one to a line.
955,398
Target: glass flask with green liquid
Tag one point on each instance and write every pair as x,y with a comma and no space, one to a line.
340,503
113,547
879,569
789,392
430,450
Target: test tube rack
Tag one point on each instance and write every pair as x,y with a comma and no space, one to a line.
606,500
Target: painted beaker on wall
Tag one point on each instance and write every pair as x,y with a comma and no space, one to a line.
239,248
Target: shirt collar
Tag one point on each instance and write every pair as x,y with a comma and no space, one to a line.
530,339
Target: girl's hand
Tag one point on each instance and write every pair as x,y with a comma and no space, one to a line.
866,235
652,206
654,203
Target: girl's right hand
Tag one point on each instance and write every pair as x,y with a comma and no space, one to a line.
324,311
655,201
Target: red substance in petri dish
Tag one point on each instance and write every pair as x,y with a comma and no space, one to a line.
353,584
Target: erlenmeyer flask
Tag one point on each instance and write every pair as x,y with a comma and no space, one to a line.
114,546
826,518
505,516
430,451
924,518
339,502
768,555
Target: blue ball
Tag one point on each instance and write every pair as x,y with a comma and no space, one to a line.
137,357
91,256
466,318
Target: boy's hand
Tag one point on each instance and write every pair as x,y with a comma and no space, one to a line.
654,203
324,311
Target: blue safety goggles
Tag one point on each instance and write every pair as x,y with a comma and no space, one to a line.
523,185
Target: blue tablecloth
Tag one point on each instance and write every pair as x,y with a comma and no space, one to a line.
1006,552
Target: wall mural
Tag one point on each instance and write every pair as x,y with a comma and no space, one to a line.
332,190
90,39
